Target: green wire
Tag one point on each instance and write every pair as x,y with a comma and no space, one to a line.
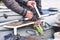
39,29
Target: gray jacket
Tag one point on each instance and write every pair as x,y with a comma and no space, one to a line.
19,6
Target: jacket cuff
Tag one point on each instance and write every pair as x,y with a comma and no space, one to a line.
24,13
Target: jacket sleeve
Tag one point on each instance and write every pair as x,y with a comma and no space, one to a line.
13,5
23,1
38,3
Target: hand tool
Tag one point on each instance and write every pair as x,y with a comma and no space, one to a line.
38,27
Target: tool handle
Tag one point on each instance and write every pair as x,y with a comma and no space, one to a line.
15,31
37,11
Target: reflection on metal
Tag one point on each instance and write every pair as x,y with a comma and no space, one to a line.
3,7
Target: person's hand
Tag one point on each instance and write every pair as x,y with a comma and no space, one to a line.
29,15
31,3
38,22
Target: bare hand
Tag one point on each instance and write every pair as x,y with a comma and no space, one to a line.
29,15
31,3
38,22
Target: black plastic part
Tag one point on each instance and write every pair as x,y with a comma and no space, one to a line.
5,16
